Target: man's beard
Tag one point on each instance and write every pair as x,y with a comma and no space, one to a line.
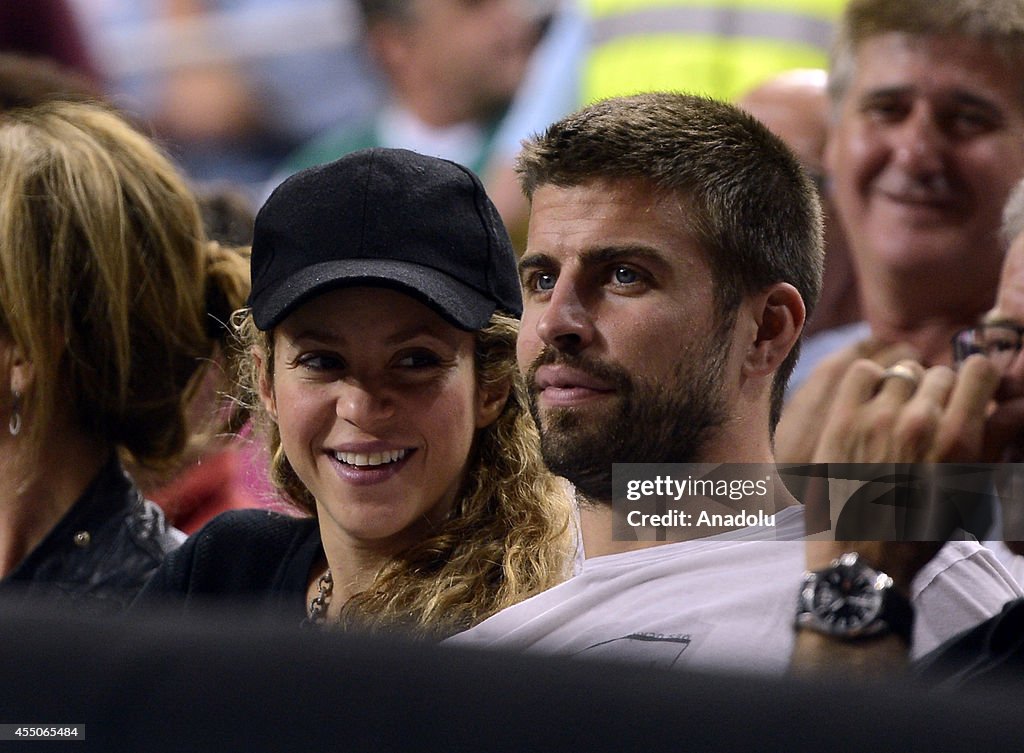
644,423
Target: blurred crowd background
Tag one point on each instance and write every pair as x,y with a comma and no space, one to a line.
238,90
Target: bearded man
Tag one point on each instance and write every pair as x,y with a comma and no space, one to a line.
673,253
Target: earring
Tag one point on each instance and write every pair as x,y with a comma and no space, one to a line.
14,426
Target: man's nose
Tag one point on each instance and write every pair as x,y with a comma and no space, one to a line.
919,143
566,324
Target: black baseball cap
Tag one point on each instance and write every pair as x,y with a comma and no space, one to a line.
387,217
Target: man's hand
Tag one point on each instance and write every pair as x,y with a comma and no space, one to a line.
908,414
946,417
903,414
799,430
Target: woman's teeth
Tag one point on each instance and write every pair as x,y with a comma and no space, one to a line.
362,459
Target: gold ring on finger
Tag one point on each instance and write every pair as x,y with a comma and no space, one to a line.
900,371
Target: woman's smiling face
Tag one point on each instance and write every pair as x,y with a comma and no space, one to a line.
376,399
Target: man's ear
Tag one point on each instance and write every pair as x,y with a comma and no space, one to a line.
779,313
266,383
387,42
490,402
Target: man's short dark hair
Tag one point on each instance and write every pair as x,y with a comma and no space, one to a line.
750,205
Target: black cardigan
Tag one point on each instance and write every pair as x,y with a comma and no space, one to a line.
251,558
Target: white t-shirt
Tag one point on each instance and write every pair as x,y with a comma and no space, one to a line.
723,602
1014,563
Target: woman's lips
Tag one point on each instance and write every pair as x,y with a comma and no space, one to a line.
370,466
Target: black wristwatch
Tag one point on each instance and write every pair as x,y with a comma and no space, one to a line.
850,599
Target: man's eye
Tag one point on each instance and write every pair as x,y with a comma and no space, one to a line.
885,110
1000,346
625,276
541,281
969,122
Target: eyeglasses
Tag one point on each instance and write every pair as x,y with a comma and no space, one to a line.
999,341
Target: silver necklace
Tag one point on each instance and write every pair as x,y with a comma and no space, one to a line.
318,604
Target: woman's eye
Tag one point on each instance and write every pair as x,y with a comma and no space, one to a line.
319,362
418,360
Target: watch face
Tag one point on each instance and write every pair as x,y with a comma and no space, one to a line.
846,599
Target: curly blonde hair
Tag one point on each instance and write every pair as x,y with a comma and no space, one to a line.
507,537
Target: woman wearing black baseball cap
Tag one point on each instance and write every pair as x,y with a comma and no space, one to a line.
380,346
